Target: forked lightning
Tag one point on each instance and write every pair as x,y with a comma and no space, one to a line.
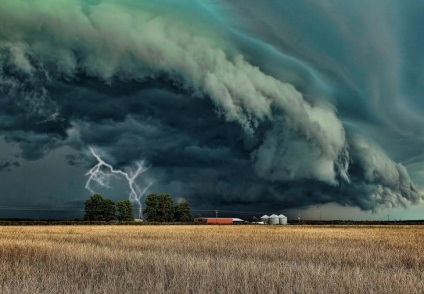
102,172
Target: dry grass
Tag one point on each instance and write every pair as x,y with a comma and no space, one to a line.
211,259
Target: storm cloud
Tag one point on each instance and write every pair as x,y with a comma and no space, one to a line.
231,102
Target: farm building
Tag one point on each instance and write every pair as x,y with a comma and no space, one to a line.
283,219
274,219
238,221
264,219
216,220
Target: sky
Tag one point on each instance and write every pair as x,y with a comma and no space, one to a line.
300,107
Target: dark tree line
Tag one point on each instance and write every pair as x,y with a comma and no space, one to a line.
98,208
158,208
161,208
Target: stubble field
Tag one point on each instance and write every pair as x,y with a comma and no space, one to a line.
211,259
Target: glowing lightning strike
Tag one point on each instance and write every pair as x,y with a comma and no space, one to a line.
100,176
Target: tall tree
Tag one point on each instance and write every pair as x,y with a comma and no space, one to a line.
159,208
125,210
183,212
151,206
109,210
166,208
98,208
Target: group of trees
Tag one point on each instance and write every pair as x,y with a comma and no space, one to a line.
159,208
98,208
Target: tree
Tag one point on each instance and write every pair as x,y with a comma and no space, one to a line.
159,208
98,208
125,210
109,210
152,206
183,212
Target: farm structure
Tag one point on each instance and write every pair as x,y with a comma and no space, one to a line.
216,220
274,219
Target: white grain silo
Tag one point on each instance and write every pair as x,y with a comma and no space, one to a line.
273,220
282,219
264,219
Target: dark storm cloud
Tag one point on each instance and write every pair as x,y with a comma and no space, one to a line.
75,159
366,56
208,105
7,165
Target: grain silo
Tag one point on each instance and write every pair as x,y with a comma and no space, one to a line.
264,219
273,220
282,219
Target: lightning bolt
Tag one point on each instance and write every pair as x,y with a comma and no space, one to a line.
102,172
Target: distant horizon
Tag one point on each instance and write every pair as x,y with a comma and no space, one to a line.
43,213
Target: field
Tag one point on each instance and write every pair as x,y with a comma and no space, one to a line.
211,259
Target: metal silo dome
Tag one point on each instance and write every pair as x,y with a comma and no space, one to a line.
282,219
273,220
264,219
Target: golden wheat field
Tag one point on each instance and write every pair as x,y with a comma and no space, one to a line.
211,259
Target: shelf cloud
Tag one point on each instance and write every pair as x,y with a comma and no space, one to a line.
238,103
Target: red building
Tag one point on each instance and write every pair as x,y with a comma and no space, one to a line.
213,220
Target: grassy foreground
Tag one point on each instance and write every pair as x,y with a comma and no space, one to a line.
211,259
